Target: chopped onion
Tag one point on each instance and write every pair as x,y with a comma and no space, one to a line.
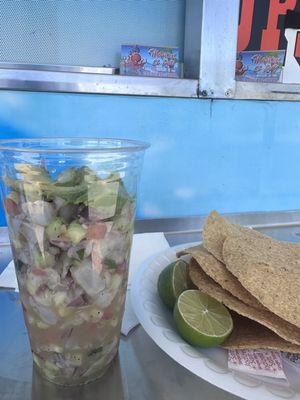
89,279
39,212
45,313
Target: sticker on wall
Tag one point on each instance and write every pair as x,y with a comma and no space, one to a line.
153,61
259,66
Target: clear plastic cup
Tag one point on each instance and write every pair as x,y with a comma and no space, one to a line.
70,206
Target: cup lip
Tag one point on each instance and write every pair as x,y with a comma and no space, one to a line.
124,145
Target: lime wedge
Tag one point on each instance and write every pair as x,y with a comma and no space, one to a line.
172,282
201,320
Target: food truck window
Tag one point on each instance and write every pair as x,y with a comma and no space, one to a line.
54,45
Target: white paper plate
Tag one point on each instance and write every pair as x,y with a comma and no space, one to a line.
208,364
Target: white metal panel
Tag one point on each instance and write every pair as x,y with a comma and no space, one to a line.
291,70
218,48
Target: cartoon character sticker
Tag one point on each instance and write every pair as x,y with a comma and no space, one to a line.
240,68
134,59
150,61
259,66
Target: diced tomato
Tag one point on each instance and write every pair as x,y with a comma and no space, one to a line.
62,242
78,302
96,231
109,312
10,207
38,272
69,372
40,291
93,329
51,335
67,333
96,260
121,269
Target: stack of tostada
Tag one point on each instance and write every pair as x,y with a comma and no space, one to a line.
256,277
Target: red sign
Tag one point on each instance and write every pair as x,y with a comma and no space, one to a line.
261,24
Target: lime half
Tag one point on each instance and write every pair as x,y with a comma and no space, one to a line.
201,320
172,282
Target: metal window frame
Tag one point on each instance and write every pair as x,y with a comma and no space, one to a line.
58,78
217,67
210,27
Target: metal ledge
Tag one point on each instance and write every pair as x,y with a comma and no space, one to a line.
267,91
54,81
91,80
284,225
195,223
58,68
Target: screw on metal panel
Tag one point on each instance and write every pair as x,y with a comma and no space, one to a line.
228,93
204,93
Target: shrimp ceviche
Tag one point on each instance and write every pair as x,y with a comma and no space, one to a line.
71,239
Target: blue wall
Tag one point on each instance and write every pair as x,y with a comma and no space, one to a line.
228,155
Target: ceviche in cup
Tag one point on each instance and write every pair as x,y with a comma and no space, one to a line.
70,214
